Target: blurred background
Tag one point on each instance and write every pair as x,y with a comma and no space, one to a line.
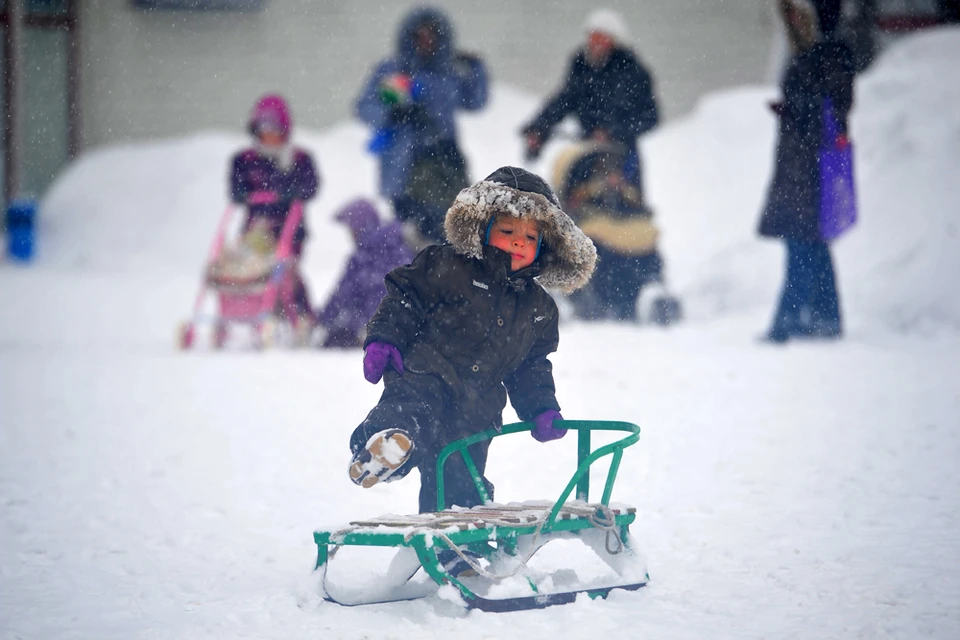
82,74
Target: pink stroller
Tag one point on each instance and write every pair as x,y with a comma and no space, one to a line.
253,288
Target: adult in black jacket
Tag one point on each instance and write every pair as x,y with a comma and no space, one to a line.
607,88
466,324
820,69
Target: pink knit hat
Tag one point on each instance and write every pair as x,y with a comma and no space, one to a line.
271,111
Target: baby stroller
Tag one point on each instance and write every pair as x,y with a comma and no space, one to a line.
254,283
594,189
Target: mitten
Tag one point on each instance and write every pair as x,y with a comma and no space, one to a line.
397,89
543,430
376,357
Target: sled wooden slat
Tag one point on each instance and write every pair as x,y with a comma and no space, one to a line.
480,517
385,537
459,525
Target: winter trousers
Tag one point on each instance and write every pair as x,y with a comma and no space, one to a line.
809,303
418,405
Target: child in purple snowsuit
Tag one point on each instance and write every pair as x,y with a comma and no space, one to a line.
379,248
270,175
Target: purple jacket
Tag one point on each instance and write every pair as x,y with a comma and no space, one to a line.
253,171
380,249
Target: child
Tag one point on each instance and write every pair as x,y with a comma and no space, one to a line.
379,248
268,177
464,325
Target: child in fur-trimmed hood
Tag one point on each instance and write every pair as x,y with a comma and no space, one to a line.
463,326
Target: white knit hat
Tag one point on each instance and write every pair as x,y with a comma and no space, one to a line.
607,21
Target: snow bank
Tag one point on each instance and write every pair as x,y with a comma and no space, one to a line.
708,175
901,264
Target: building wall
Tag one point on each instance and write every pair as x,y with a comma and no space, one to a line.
45,109
42,115
148,74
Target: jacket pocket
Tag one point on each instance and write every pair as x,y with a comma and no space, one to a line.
424,360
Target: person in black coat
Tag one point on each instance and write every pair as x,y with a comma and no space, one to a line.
463,326
820,70
607,88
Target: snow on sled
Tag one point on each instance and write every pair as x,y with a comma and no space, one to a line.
495,543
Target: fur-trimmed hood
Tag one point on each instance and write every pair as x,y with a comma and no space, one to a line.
567,256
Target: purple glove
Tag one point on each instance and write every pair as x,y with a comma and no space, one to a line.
376,357
543,430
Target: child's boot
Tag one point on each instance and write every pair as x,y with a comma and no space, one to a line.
385,454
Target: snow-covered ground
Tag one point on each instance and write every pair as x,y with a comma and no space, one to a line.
806,491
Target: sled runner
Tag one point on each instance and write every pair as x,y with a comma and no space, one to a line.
495,542
253,282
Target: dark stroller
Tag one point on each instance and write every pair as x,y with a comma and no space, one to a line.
593,188
438,173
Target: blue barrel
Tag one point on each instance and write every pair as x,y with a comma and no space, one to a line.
21,229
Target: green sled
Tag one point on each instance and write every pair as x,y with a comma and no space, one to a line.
499,533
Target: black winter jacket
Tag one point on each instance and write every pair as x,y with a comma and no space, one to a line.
793,202
617,97
476,327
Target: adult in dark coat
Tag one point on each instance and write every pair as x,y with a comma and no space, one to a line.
607,88
472,330
820,70
410,100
